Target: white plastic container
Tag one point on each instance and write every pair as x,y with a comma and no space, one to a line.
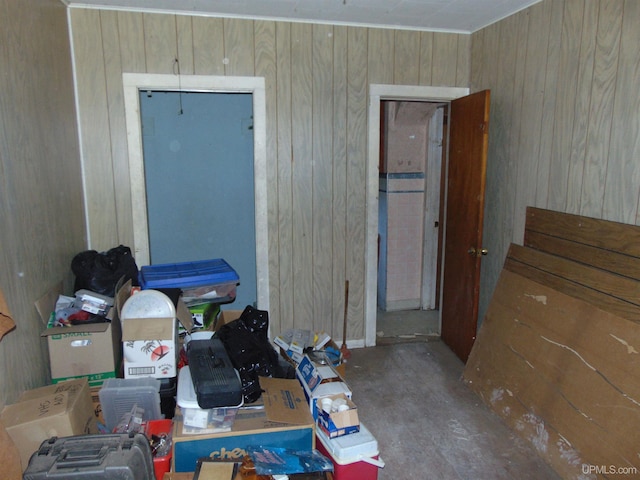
354,456
205,421
149,335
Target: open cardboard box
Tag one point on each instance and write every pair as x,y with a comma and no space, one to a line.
93,350
320,381
150,345
336,424
60,410
281,420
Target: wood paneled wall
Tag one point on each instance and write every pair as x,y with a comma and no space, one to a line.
41,200
317,79
565,117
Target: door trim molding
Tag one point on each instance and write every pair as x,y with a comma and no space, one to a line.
378,92
132,84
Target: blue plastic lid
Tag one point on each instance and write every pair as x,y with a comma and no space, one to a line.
187,274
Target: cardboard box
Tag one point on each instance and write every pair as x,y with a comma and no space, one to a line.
204,315
93,350
283,420
60,410
320,381
336,424
97,406
150,344
226,316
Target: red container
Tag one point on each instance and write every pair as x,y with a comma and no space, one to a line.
354,456
161,465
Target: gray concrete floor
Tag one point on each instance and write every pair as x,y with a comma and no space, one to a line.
407,325
428,424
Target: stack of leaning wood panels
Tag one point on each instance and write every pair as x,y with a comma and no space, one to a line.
558,352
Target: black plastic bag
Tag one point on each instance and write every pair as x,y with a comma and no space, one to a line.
247,344
100,271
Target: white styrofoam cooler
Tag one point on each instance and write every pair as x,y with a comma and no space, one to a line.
354,456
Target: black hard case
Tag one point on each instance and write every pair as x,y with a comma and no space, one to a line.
215,381
100,457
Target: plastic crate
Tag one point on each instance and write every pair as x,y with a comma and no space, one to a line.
203,281
119,395
161,463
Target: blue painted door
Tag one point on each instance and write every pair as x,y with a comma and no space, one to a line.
199,180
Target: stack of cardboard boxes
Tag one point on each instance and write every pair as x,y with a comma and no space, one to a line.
289,414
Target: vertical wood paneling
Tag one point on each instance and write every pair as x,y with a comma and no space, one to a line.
426,58
601,107
160,43
185,44
529,135
339,207
131,32
265,59
581,113
94,128
117,127
380,54
284,238
504,132
41,191
356,176
406,71
622,186
463,63
565,105
516,116
322,176
238,46
491,43
565,116
302,186
477,70
499,175
445,50
495,177
208,46
552,67
316,79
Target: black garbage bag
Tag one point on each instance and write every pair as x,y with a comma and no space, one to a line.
99,272
247,344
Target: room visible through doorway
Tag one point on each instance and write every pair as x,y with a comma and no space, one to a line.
412,136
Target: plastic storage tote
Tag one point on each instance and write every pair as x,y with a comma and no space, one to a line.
354,456
119,395
204,281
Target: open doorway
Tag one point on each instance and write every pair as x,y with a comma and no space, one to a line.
411,182
439,96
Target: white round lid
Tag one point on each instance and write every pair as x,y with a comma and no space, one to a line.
148,304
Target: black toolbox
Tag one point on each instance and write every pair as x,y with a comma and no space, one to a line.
101,457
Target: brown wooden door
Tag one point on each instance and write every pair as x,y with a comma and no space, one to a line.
468,141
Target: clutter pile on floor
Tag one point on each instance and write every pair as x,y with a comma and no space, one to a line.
156,380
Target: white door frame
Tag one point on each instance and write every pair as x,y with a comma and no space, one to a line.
133,83
378,92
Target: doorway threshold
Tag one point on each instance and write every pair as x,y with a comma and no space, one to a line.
404,326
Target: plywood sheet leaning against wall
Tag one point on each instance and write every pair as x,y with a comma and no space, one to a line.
558,352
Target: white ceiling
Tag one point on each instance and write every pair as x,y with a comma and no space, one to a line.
461,16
